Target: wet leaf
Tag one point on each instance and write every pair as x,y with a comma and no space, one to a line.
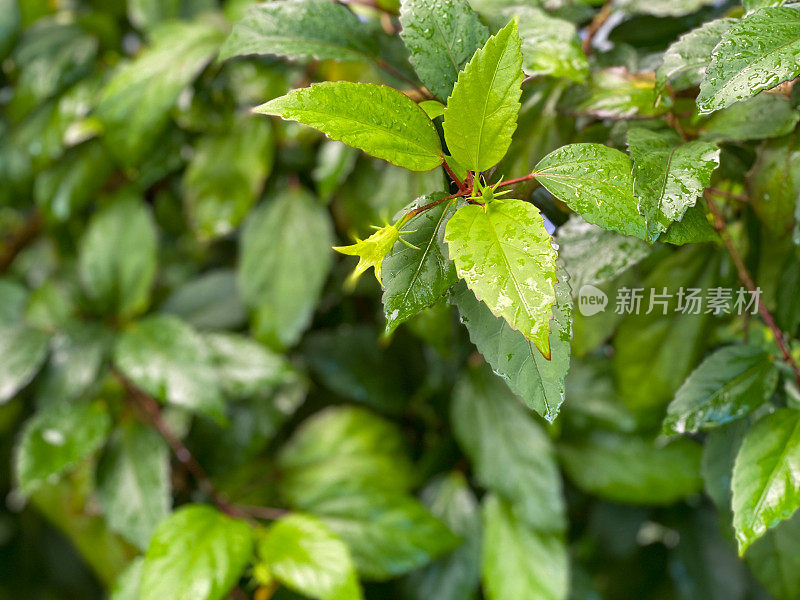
756,53
504,253
376,119
481,112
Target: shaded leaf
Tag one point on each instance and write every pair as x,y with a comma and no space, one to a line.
23,350
764,116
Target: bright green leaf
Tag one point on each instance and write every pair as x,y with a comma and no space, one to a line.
766,476
756,53
520,563
727,385
303,554
504,253
376,119
481,112
441,37
196,554
596,182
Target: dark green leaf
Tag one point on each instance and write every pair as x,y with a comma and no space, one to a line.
284,259
596,182
415,279
773,183
170,361
632,469
510,452
117,258
210,301
441,37
668,175
764,116
727,385
301,29
537,381
775,559
23,350
56,439
756,53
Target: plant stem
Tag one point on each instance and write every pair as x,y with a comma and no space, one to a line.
744,276
452,175
152,411
593,27
19,239
517,180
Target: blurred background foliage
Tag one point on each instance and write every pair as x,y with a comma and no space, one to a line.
152,224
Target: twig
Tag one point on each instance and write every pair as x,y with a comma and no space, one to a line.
593,27
528,177
453,176
152,411
744,275
728,195
19,239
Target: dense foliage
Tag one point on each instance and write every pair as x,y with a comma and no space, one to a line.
576,377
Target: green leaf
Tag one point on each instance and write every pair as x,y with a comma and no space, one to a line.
668,175
416,279
209,301
56,438
303,554
340,449
146,14
441,37
694,228
481,112
23,350
727,385
504,253
244,367
389,534
457,575
9,26
302,29
335,162
662,8
775,559
550,46
537,381
219,193
284,259
596,182
134,107
133,484
762,117
371,251
593,255
376,119
117,258
170,361
655,352
615,93
434,108
773,183
630,469
756,53
766,476
13,298
510,453
685,62
520,563
127,585
196,554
